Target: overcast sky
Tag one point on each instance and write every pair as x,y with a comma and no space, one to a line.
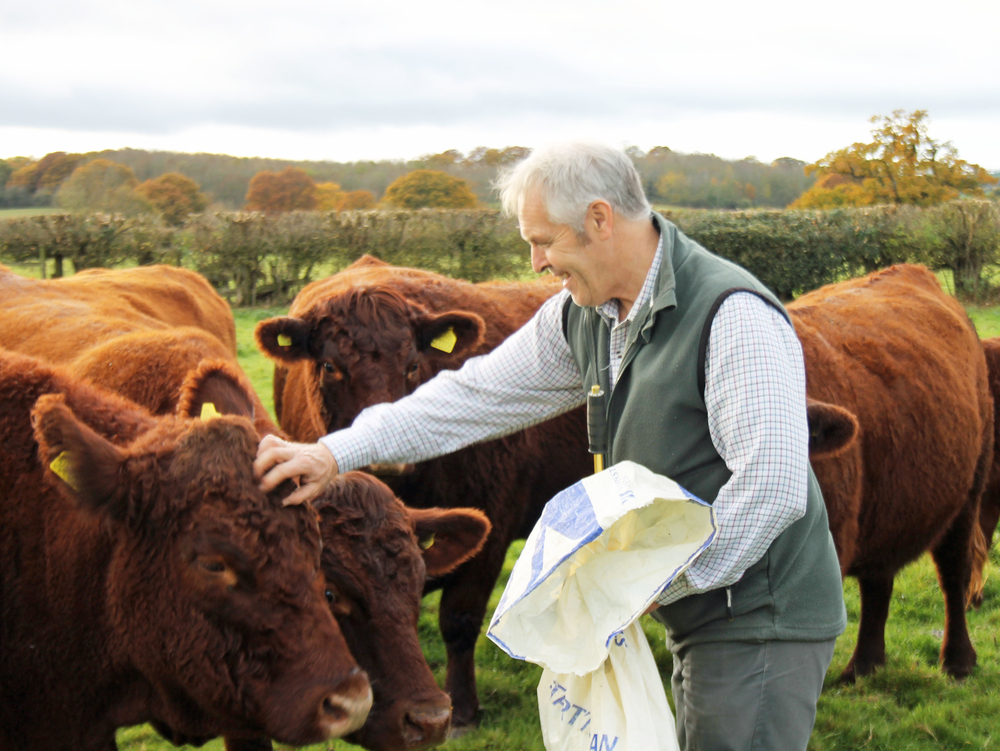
384,79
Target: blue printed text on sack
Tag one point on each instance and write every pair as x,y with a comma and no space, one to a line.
579,718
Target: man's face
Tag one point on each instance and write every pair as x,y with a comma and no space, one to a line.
558,249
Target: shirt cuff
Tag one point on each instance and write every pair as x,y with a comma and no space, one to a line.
349,450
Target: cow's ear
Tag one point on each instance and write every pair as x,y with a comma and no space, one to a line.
88,468
449,336
284,339
448,537
832,429
214,387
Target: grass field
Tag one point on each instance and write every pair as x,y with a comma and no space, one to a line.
907,705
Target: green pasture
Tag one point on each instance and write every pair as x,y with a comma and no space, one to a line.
908,705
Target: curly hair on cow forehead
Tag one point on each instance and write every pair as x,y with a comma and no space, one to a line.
570,177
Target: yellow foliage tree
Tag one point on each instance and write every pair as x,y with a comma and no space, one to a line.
425,188
175,196
901,165
328,196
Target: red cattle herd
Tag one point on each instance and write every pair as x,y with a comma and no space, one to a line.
144,578
130,338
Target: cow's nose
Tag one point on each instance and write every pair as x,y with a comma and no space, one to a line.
345,709
426,724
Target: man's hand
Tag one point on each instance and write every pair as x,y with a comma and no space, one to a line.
311,464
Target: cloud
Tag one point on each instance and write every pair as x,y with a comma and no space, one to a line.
310,67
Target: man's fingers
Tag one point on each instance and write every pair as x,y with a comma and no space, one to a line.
267,458
303,494
280,473
269,441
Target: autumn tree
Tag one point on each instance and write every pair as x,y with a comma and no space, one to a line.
444,159
175,196
356,200
289,190
424,188
47,172
328,196
901,165
102,186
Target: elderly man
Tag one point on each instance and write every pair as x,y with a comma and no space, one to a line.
706,385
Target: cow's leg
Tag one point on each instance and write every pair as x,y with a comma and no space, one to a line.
876,592
463,607
954,567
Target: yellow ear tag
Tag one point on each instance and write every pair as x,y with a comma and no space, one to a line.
60,468
284,340
427,542
446,342
208,411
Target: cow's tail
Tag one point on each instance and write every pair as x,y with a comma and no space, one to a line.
980,550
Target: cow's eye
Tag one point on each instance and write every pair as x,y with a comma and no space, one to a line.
412,370
331,596
328,367
216,567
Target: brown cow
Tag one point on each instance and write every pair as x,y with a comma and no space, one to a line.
362,337
904,358
151,579
377,569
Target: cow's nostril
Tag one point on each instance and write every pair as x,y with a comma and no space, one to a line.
333,709
426,725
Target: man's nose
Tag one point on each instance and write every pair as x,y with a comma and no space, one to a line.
538,261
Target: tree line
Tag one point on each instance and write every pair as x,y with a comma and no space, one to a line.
670,177
902,164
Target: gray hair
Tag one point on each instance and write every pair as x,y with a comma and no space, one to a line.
571,176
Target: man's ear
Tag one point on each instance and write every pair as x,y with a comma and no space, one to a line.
601,219
284,339
449,337
448,537
87,467
215,383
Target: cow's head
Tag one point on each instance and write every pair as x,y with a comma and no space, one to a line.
366,346
214,588
376,555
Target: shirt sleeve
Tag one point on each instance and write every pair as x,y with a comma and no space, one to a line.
531,377
756,401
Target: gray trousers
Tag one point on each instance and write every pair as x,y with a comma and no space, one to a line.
748,696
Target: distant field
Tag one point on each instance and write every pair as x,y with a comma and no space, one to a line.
36,211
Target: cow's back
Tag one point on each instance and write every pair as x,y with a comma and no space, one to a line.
905,359
56,319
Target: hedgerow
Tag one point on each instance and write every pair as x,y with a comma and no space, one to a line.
254,257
